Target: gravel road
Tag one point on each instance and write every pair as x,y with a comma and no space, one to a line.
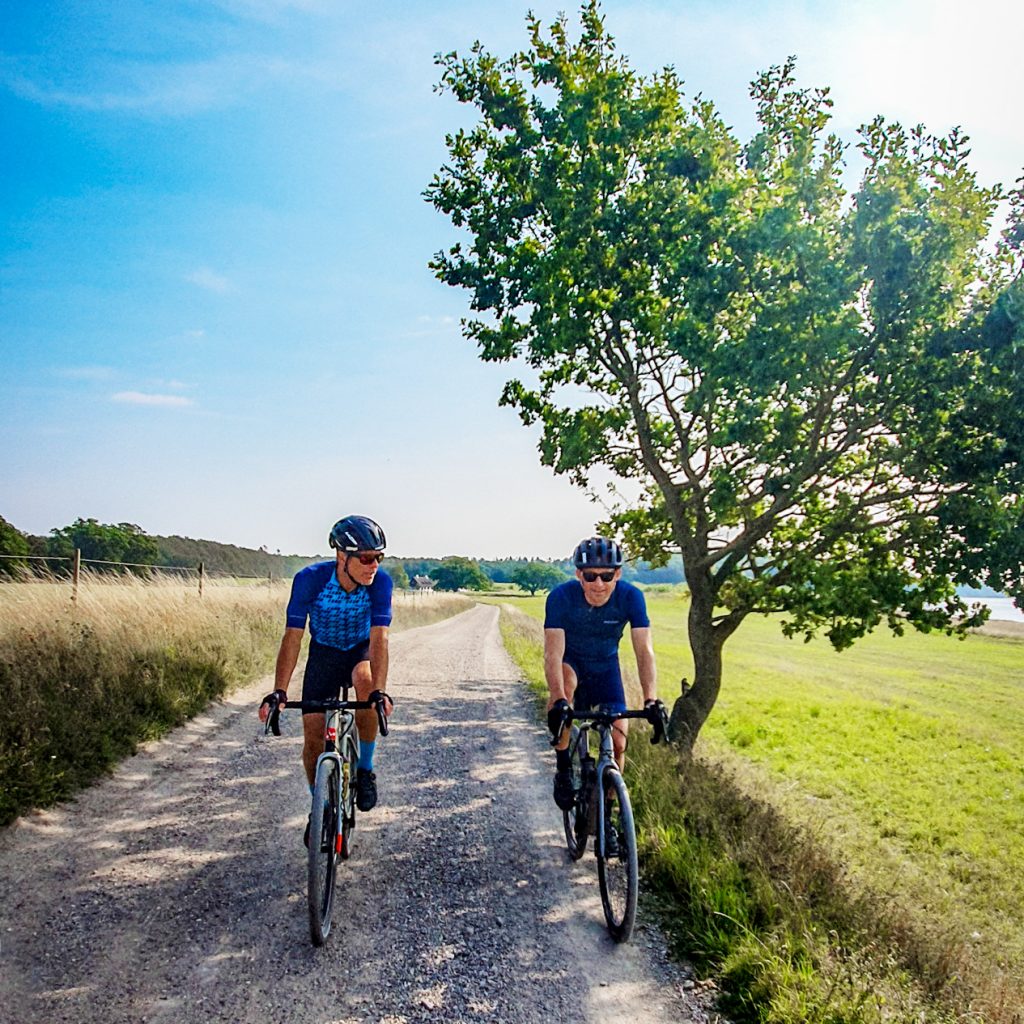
174,891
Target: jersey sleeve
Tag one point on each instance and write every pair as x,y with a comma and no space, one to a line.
380,599
304,591
554,609
636,609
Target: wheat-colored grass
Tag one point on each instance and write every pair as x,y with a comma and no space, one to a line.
127,659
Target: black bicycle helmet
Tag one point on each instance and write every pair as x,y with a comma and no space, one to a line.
357,533
597,552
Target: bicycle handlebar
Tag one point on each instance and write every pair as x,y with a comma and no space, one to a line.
376,702
600,717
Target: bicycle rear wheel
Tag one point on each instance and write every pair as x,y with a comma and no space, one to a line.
323,830
618,874
575,819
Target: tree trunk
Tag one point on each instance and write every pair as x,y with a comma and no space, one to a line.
694,704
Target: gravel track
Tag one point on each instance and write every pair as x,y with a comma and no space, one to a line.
174,891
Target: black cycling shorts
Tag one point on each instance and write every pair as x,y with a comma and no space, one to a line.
598,685
329,669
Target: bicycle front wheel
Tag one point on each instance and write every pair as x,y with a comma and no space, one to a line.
323,832
617,868
575,819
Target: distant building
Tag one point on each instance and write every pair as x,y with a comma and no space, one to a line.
422,583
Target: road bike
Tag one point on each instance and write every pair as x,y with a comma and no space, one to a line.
333,814
602,809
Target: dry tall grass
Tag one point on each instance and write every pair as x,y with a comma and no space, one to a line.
85,681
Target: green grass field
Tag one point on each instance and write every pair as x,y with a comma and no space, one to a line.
903,757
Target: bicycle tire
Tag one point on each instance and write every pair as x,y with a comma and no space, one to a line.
347,802
618,876
323,830
574,820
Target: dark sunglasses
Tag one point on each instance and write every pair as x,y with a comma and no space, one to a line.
604,577
370,557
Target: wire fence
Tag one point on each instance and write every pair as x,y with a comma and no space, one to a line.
74,569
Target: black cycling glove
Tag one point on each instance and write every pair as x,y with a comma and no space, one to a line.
275,700
556,716
658,717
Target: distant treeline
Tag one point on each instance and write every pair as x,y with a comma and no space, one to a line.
501,570
128,543
228,558
125,544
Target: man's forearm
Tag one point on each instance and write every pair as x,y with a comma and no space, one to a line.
287,659
647,670
379,660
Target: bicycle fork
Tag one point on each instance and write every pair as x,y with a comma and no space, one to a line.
600,812
342,769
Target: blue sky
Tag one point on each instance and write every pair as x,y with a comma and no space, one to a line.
216,317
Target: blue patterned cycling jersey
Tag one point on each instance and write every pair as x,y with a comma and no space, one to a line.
592,634
336,618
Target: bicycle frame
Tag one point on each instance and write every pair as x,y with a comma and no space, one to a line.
599,782
339,731
333,792
605,760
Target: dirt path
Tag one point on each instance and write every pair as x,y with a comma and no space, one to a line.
175,891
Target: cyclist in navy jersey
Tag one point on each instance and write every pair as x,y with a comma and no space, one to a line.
347,602
584,620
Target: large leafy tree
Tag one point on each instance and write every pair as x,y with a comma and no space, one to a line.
534,576
459,573
12,542
818,393
105,542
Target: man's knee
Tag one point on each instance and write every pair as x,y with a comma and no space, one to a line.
362,679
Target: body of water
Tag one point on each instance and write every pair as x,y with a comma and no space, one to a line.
1002,608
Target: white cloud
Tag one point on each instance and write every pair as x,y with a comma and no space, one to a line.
142,398
207,279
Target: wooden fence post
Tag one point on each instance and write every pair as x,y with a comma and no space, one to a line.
202,571
75,572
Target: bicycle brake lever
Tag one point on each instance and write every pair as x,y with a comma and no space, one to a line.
379,696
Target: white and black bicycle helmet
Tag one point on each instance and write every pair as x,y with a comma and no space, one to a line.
357,533
597,552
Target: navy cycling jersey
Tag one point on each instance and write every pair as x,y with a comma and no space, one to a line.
336,618
592,634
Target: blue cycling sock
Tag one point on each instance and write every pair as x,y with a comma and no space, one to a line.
366,755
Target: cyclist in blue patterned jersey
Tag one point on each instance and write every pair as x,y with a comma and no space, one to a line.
347,602
584,620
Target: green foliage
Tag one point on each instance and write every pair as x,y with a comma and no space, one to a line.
12,542
396,571
458,573
103,542
820,393
228,559
536,576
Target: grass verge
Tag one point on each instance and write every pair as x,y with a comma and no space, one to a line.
85,683
842,848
